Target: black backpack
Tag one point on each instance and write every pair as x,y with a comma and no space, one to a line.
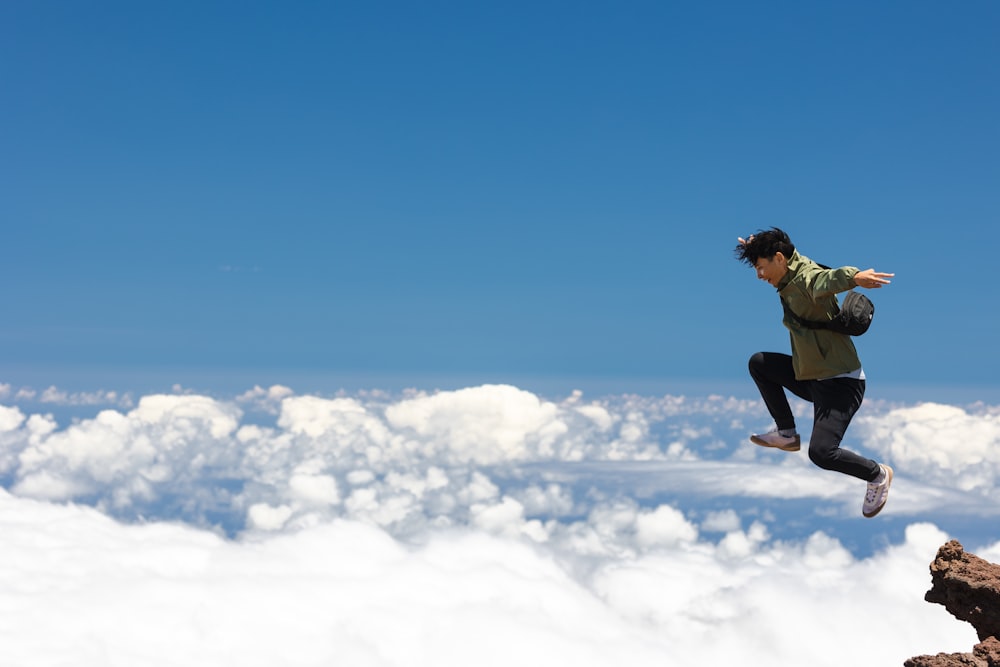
853,319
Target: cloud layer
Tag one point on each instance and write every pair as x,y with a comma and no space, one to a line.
486,525
79,588
271,458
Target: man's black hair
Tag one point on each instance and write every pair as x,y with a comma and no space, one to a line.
764,244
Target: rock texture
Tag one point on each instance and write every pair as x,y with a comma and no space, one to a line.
969,588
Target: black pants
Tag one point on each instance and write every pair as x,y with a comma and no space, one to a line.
834,403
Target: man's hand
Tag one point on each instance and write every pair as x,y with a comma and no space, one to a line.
872,279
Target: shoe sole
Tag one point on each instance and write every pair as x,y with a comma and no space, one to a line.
794,447
888,483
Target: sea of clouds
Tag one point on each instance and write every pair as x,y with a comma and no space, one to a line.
487,525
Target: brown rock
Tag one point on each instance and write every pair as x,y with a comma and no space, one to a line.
948,660
969,588
988,650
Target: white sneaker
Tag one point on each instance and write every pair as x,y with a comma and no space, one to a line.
877,493
787,443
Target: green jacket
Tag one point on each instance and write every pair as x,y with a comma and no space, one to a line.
810,291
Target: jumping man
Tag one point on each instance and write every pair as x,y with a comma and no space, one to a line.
823,368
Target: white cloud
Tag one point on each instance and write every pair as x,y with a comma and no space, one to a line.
25,394
165,441
942,444
81,588
481,425
597,414
426,459
663,527
313,489
17,432
506,518
627,526
262,516
59,397
266,400
774,603
552,500
341,426
10,418
724,521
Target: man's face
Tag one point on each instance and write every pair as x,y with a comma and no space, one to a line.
773,269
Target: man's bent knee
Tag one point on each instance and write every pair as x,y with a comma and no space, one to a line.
824,457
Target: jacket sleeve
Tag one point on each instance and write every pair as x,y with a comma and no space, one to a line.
833,281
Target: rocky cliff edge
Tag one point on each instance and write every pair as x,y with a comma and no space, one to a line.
969,588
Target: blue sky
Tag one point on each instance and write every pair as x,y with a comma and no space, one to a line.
496,192
297,296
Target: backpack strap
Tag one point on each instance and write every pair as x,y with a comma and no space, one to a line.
803,322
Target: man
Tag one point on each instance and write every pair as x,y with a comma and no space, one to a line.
823,368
